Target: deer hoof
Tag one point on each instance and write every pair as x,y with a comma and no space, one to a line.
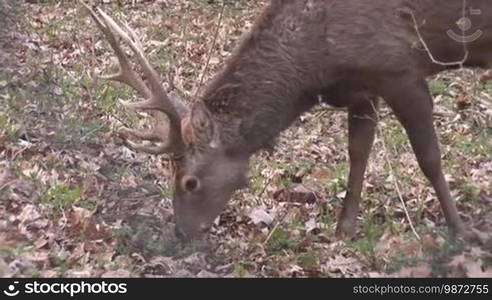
471,235
345,230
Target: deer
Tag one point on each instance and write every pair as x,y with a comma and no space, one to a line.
351,54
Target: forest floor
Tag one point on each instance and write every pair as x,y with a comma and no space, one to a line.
75,202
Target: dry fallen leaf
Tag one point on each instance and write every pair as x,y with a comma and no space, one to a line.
260,215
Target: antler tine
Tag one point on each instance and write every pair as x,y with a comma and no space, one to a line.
156,135
125,74
159,149
157,98
153,136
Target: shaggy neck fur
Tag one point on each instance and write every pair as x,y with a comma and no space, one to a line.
258,93
301,48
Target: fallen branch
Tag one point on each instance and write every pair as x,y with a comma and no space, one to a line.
392,174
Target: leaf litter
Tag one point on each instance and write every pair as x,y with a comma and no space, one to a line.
75,202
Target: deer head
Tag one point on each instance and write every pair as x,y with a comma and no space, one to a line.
205,173
205,176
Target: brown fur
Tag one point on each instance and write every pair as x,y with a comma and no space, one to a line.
348,52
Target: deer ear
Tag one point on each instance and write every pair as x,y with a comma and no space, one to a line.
203,126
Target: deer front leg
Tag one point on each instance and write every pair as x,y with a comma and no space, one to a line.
362,122
411,102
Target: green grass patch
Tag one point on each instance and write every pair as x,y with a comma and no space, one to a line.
87,204
336,182
372,230
308,260
77,131
438,87
280,240
60,196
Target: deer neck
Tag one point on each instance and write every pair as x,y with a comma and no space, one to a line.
258,94
253,105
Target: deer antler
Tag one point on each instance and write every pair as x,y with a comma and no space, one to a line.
166,137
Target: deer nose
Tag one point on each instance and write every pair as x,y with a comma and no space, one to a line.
179,233
205,229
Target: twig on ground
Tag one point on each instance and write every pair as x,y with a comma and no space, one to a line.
393,175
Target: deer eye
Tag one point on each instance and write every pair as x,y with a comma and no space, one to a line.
190,183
